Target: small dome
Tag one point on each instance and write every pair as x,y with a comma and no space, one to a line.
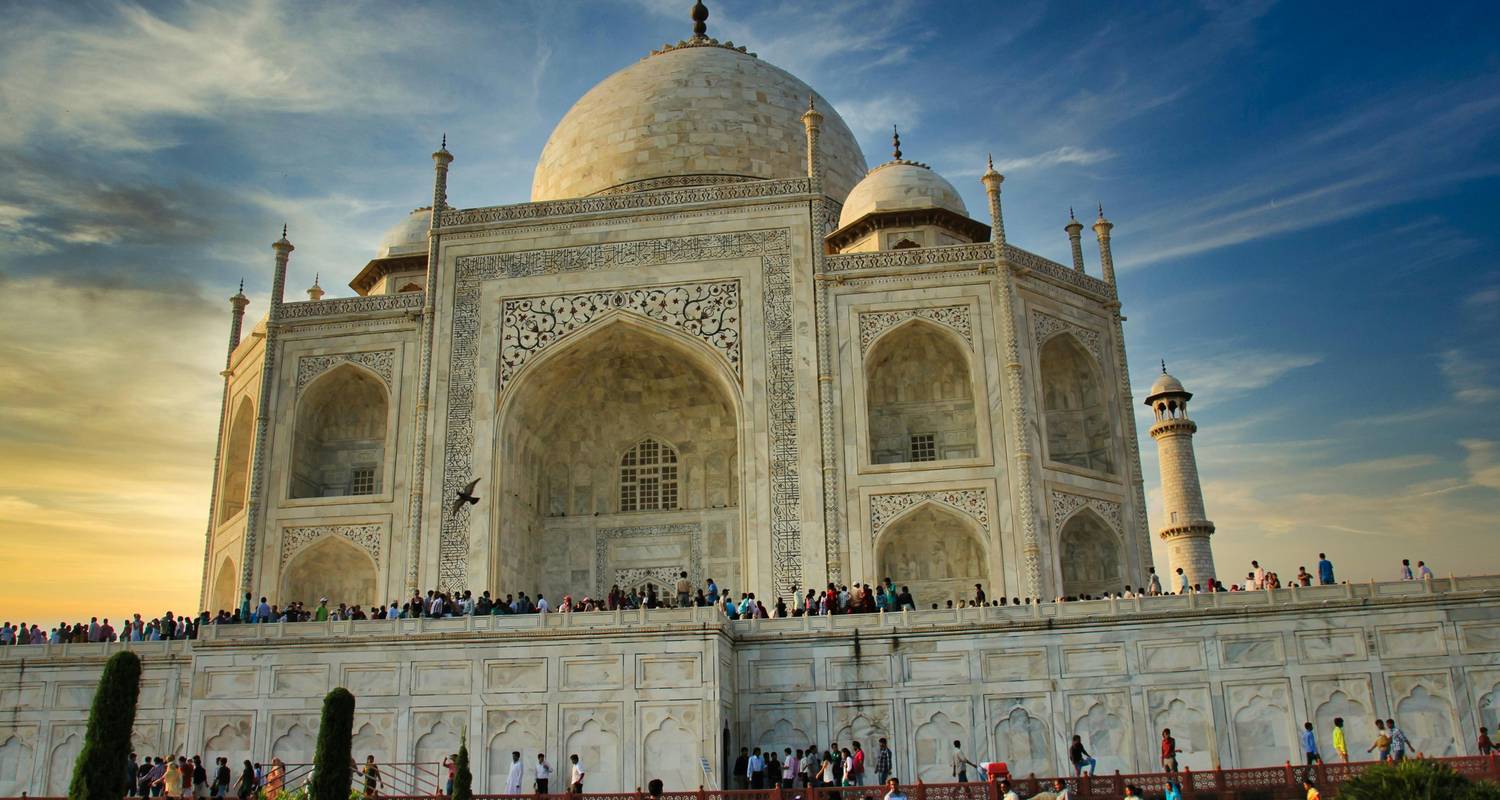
696,114
901,186
1166,384
407,237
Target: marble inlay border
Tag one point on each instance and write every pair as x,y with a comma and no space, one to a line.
692,530
380,362
706,311
886,507
1044,326
745,190
1065,504
367,537
874,323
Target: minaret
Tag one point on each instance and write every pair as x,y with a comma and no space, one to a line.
1102,228
237,305
254,505
1185,528
1075,238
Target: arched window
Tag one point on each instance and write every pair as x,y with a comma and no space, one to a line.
340,436
1089,552
919,397
648,477
235,466
1077,414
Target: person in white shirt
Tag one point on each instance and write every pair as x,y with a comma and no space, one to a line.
575,775
1010,793
517,771
543,773
1182,581
791,767
893,790
1061,790
541,604
1260,574
1423,571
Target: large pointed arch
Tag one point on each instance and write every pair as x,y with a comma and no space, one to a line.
341,435
1091,555
331,567
919,395
235,465
935,549
223,591
1075,406
566,420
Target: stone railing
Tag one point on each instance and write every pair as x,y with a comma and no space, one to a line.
977,254
633,201
711,619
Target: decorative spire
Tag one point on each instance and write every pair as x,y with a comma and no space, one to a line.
283,230
444,145
1164,366
896,142
810,103
1070,214
242,286
700,19
1101,211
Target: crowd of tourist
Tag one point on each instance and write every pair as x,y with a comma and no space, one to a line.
857,598
180,776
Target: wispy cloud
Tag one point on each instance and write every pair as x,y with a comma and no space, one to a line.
1470,376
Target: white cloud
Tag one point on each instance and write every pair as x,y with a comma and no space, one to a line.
1469,376
1483,462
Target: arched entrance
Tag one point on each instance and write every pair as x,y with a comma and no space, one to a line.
934,550
340,438
919,396
1075,408
1089,555
331,567
618,462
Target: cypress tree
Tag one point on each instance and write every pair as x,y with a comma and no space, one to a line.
463,780
332,774
99,773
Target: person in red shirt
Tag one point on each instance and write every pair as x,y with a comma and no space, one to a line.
1169,751
859,765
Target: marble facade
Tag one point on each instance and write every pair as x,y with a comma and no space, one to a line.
643,695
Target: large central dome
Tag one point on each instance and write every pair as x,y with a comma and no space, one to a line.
695,114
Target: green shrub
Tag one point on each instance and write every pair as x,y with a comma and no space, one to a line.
463,780
332,776
99,773
1415,779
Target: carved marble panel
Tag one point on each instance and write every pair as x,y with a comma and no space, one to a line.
937,669
709,312
588,673
1100,659
593,732
671,737
1103,719
218,683
864,672
515,675
1252,650
864,722
1170,655
782,676
513,729
1021,733
782,726
1044,326
1065,504
367,537
436,733
441,677
1479,636
935,724
299,681
686,536
1331,646
1188,711
668,671
380,362
1411,641
874,323
1260,723
1423,704
372,679
1014,665
971,502
1350,697
229,734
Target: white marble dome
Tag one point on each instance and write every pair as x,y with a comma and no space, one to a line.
687,116
1166,384
407,237
901,186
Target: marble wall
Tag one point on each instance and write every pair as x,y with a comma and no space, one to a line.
648,695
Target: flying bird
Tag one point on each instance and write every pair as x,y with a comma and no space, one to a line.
465,495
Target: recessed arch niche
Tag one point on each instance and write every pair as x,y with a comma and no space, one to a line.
225,587
331,567
339,441
936,551
1075,407
568,516
1089,555
235,466
919,396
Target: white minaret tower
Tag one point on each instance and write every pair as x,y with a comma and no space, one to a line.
1185,528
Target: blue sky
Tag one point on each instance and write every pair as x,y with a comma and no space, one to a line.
1304,197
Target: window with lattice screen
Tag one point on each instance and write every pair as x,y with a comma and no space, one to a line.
648,477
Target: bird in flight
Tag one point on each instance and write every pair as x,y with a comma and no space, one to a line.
465,495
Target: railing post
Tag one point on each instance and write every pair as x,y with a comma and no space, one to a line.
919,792
1290,778
1187,781
701,795
775,791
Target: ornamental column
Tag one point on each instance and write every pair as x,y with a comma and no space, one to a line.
254,512
1075,239
1185,528
1015,388
1102,228
236,325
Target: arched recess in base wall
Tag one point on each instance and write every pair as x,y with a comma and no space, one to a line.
224,591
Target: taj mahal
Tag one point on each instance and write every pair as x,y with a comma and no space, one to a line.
722,341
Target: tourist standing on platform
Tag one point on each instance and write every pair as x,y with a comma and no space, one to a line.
884,762
742,769
223,777
1080,757
575,776
1169,751
961,763
516,774
1406,569
1382,742
1153,583
791,768
1182,582
1257,574
756,767
1325,570
893,790
1424,572
245,788
543,774
1007,792
1340,744
1484,745
1310,745
859,766
451,764
1399,743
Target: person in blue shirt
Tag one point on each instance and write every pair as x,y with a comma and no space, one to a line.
1174,792
1325,570
1310,744
713,592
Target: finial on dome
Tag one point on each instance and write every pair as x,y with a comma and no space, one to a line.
810,103
896,142
1070,214
242,286
700,19
1101,211
283,230
1164,366
444,145
315,292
